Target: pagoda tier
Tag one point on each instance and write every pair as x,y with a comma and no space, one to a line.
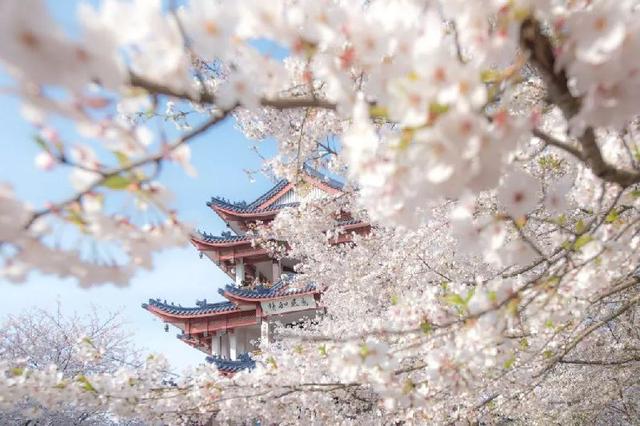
228,329
246,262
240,217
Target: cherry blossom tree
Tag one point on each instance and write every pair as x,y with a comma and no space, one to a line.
491,144
38,339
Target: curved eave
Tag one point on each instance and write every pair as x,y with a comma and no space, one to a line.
231,214
257,299
186,315
231,367
204,244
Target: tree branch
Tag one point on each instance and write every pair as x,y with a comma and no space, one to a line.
542,57
568,348
104,175
204,97
600,362
602,169
550,140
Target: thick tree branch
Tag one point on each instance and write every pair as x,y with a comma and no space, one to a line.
542,57
204,97
599,167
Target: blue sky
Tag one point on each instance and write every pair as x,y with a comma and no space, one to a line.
220,156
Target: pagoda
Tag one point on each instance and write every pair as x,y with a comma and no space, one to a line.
263,290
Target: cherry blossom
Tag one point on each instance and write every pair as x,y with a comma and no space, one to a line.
492,147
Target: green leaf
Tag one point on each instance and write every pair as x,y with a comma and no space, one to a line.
377,111
408,386
74,217
16,371
426,327
394,299
323,350
580,227
459,302
490,76
548,324
582,241
364,351
117,182
524,343
520,222
123,159
437,108
86,384
551,282
455,299
470,294
549,162
40,142
405,140
548,354
509,363
513,305
521,13
492,296
612,216
272,362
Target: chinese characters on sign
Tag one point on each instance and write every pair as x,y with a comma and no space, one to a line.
291,304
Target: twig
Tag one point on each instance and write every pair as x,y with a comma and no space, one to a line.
142,162
568,348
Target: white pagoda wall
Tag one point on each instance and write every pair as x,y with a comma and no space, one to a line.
291,196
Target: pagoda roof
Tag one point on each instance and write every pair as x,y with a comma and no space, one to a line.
221,239
244,362
221,203
282,183
279,289
229,239
264,203
202,308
